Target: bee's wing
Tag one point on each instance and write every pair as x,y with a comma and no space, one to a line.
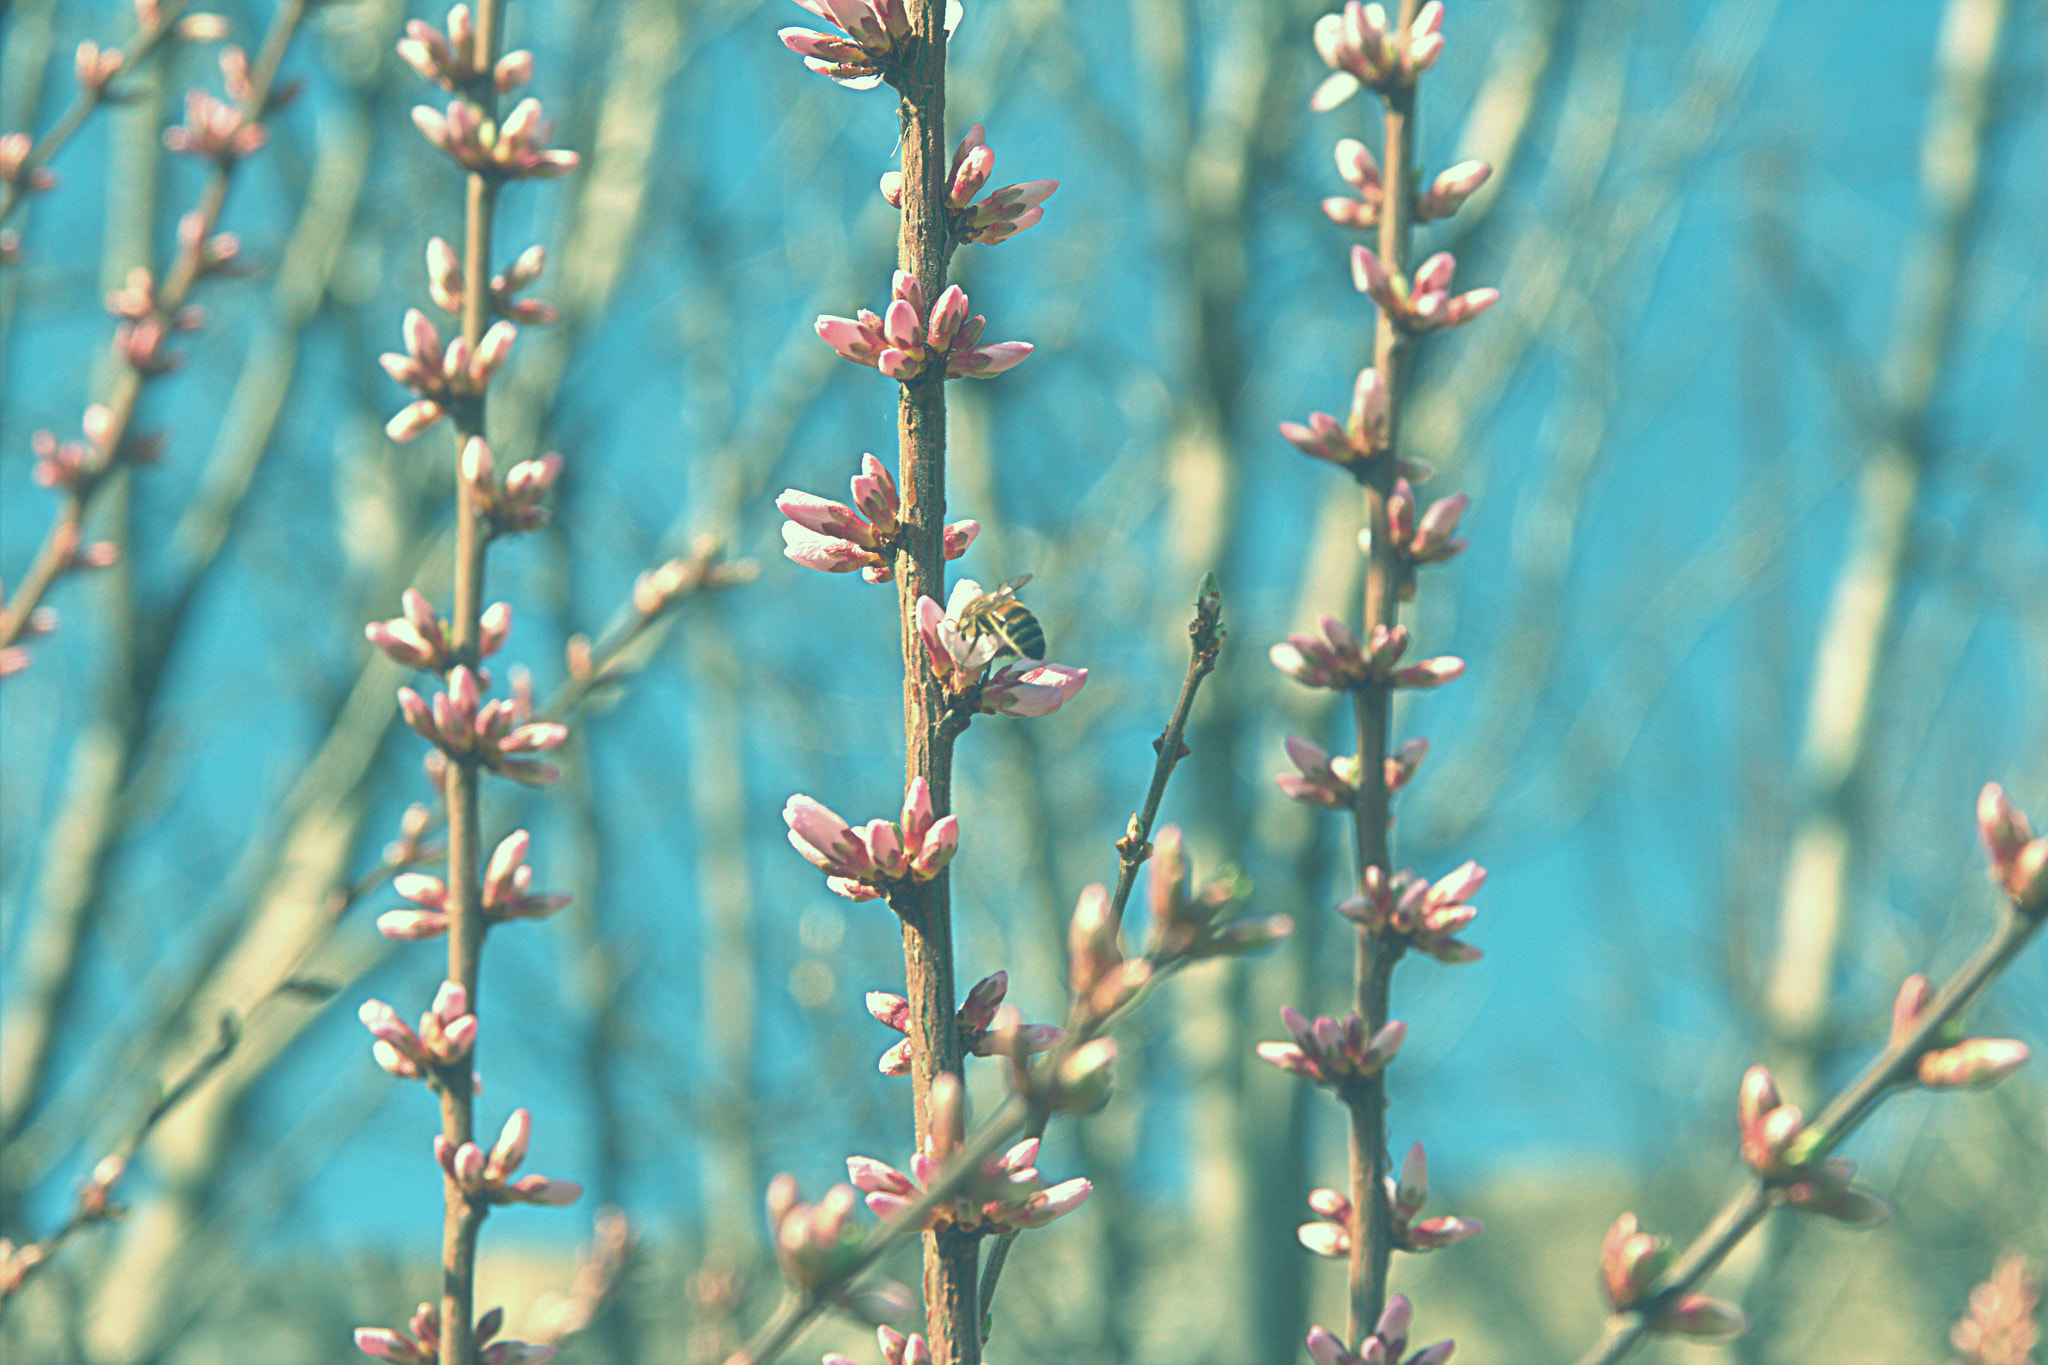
1009,586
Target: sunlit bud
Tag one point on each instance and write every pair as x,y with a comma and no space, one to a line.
510,1149
1630,1262
1413,1190
514,69
477,468
493,627
1979,1062
202,28
1083,1078
2001,826
1451,189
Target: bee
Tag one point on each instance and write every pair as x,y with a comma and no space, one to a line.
1000,614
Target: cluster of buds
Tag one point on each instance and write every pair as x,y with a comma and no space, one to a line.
444,284
508,895
870,42
488,1177
215,129
976,1019
139,339
514,505
1631,1260
1333,658
514,149
1352,444
446,1034
897,1349
1777,1144
813,1242
659,588
1005,1193
903,345
2000,1328
1330,1235
1365,51
416,639
1100,978
442,376
499,734
96,68
14,152
1388,1343
867,863
2019,859
1425,303
1005,213
960,655
452,61
1187,925
835,538
1976,1062
1334,1052
1361,170
1432,540
1323,779
1426,916
420,1342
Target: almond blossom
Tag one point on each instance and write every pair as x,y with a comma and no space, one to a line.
812,1241
442,376
871,39
960,659
906,342
975,1018
499,733
835,538
508,895
1435,538
1333,658
1188,926
1631,1261
1352,444
1387,1344
866,863
488,1176
450,60
2019,858
416,639
1426,916
1005,213
446,1034
1365,51
514,149
1331,1234
1361,170
1005,1193
420,1341
1975,1062
1334,1052
897,1349
1423,304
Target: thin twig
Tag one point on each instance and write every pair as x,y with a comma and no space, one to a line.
1890,1072
1206,634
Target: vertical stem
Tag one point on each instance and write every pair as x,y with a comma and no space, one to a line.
463,1217
951,1321
1371,1233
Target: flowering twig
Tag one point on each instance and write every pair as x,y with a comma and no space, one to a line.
97,71
214,131
1650,1292
1205,633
